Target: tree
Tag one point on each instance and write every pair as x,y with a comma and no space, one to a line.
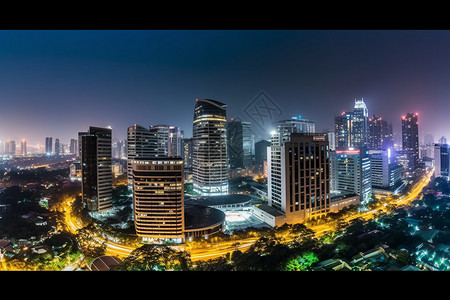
302,262
152,257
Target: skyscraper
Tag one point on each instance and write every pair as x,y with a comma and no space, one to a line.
48,146
380,134
187,153
441,160
410,139
261,153
141,142
57,147
96,169
298,177
239,144
158,198
360,124
351,128
174,142
23,147
10,147
210,173
161,133
351,173
73,149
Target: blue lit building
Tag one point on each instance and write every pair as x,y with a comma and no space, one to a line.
351,172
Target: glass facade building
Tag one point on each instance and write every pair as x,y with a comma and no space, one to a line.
209,157
96,169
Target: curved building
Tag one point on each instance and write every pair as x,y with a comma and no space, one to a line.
210,174
158,198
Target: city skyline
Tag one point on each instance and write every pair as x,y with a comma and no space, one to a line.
150,77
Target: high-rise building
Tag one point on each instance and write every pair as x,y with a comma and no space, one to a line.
10,147
209,159
275,161
96,169
351,172
410,139
360,124
23,147
441,161
385,172
351,128
158,198
73,149
141,142
261,153
174,142
239,144
162,135
296,124
187,153
380,134
48,146
299,175
57,147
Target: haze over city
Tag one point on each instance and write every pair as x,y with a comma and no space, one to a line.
59,82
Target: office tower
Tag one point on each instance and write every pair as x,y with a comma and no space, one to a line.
23,147
343,129
261,153
298,176
140,143
187,153
351,173
380,134
239,144
275,163
441,161
10,147
351,128
158,198
48,146
385,172
296,124
331,140
96,168
73,149
162,134
360,124
57,147
174,142
442,140
410,139
115,148
209,159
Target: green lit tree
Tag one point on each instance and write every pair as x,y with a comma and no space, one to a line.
302,262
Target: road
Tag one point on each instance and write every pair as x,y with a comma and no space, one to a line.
222,248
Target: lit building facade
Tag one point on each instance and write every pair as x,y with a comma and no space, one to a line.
441,161
385,172
23,147
141,142
351,172
48,146
96,169
57,147
158,198
380,134
209,159
352,128
299,176
410,140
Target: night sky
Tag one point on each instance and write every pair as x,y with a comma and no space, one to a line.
59,82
